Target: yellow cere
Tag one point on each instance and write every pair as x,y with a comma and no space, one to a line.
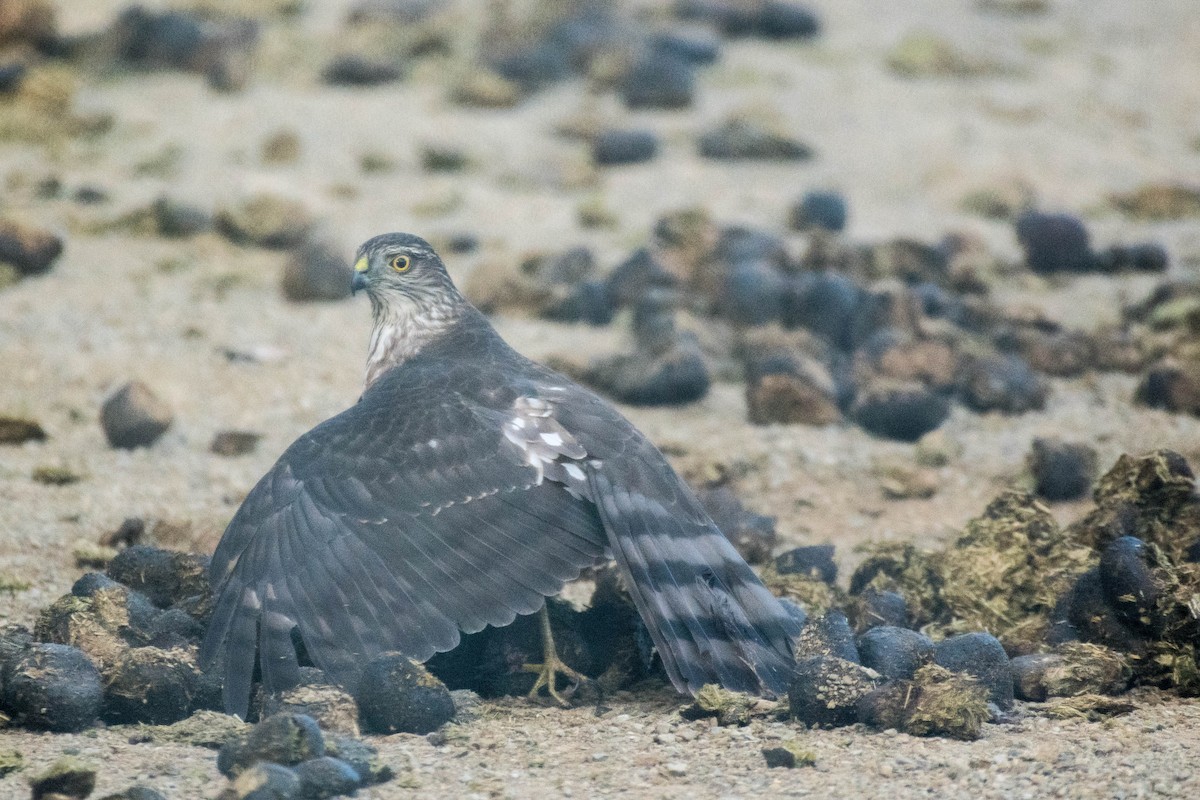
361,265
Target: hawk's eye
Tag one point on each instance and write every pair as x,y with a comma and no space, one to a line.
401,263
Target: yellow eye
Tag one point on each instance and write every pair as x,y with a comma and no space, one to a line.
400,263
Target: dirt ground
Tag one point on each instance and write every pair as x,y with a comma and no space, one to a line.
1099,97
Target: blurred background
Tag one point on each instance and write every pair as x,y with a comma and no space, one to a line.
844,262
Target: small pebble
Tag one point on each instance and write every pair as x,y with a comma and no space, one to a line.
819,209
902,410
317,270
1171,385
133,416
1145,257
895,652
362,758
826,303
698,47
234,443
135,793
1054,243
179,220
752,293
741,138
624,147
68,777
326,777
29,250
16,430
398,695
354,70
815,561
659,80
1062,470
1001,383
982,656
875,608
286,739
266,781
266,220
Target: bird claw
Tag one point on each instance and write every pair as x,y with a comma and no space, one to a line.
548,673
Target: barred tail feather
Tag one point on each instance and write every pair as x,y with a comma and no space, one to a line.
711,619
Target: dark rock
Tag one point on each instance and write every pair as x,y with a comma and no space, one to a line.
624,147
1029,675
362,758
1001,383
14,641
103,622
1145,257
636,276
1130,585
355,70
827,635
738,244
316,271
265,781
787,386
220,48
325,777
1062,470
536,67
753,535
90,195
588,301
1065,354
826,303
895,652
1171,385
165,576
14,430
133,416
175,622
825,690
676,375
1084,613
696,47
815,561
789,756
752,293
902,410
331,706
51,687
65,779
982,656
29,250
875,608
234,443
659,80
1054,243
135,793
742,138
936,702
286,739
398,695
12,75
92,582
782,20
178,220
462,242
267,220
149,685
825,210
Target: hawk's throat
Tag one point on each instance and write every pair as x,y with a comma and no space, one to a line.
404,325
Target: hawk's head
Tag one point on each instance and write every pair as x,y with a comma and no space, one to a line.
399,269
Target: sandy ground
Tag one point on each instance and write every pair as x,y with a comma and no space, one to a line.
1103,98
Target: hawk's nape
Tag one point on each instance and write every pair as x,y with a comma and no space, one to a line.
466,486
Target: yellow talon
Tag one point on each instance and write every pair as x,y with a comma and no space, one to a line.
552,666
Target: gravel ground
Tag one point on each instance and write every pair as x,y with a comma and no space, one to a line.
1103,97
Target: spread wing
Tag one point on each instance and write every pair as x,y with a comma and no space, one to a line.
392,526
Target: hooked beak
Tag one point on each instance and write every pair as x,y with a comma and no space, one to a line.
360,276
